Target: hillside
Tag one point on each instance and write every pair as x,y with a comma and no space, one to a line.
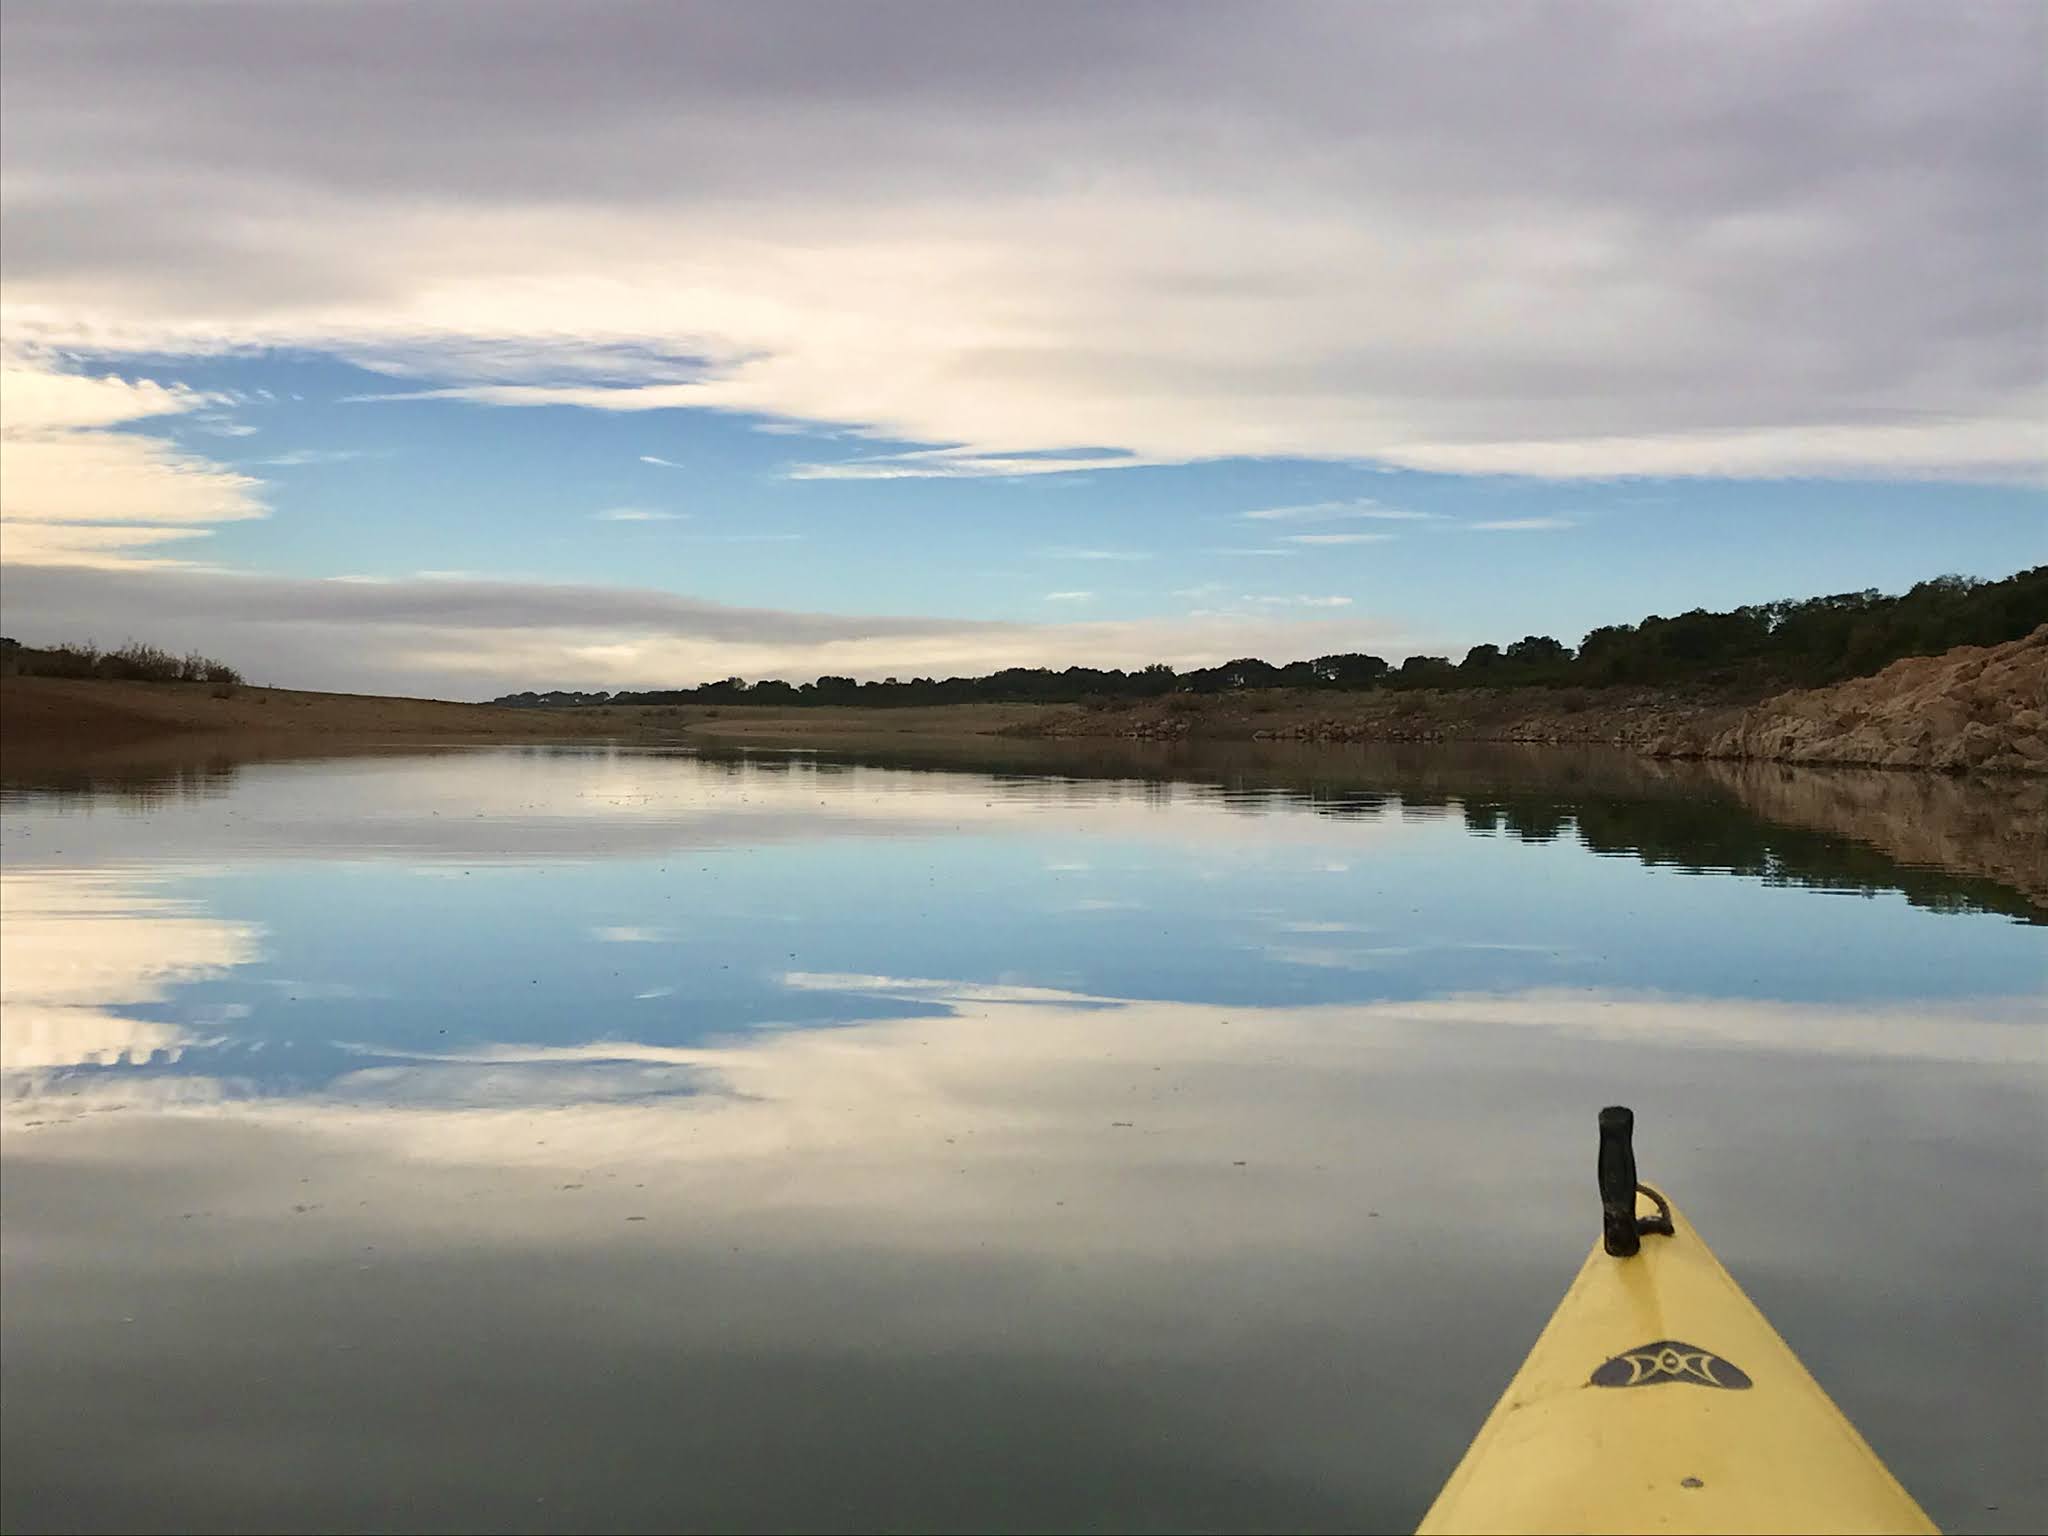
1972,708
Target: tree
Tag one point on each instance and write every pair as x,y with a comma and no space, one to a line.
1351,669
1537,651
1427,672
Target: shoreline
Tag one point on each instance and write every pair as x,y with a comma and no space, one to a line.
1969,710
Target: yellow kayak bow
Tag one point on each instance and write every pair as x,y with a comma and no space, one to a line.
1659,1399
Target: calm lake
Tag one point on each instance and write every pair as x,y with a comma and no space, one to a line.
601,1139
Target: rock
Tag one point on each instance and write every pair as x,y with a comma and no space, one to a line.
1973,708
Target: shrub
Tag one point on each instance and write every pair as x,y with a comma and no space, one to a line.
135,661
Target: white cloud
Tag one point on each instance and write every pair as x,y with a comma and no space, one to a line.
1069,597
637,515
73,492
1339,538
300,458
1069,553
1523,525
1298,602
1337,511
955,464
629,935
1572,241
650,458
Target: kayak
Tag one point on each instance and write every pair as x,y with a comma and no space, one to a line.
1659,1399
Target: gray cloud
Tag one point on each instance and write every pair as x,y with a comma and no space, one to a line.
41,595
464,637
1573,239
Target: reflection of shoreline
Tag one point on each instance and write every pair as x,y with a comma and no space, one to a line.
1995,828
1968,843
1976,844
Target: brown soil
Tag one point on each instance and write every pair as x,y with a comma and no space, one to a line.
44,718
1975,708
1972,709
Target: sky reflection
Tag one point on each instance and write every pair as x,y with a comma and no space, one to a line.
952,1154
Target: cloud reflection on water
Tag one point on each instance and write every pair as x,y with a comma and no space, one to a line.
77,948
466,1214
1219,1248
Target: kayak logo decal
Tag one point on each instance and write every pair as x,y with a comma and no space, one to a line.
1670,1360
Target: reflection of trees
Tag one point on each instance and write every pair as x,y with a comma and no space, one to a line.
1944,844
134,787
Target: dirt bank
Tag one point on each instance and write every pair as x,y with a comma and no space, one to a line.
1971,709
1978,709
45,717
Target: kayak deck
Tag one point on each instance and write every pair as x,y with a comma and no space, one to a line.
1658,1398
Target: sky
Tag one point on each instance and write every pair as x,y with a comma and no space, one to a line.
461,348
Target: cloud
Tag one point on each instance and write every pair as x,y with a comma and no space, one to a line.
1523,525
1069,553
73,492
1069,597
300,458
1299,602
1337,511
1262,553
1582,240
468,638
1339,538
637,515
958,464
650,458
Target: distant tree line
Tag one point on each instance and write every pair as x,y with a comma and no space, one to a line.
1801,642
135,661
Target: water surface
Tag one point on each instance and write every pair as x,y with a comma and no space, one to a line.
595,1139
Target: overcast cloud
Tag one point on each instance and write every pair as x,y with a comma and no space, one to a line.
1556,239
1563,240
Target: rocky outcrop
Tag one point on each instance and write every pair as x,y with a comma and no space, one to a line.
1972,709
1975,708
